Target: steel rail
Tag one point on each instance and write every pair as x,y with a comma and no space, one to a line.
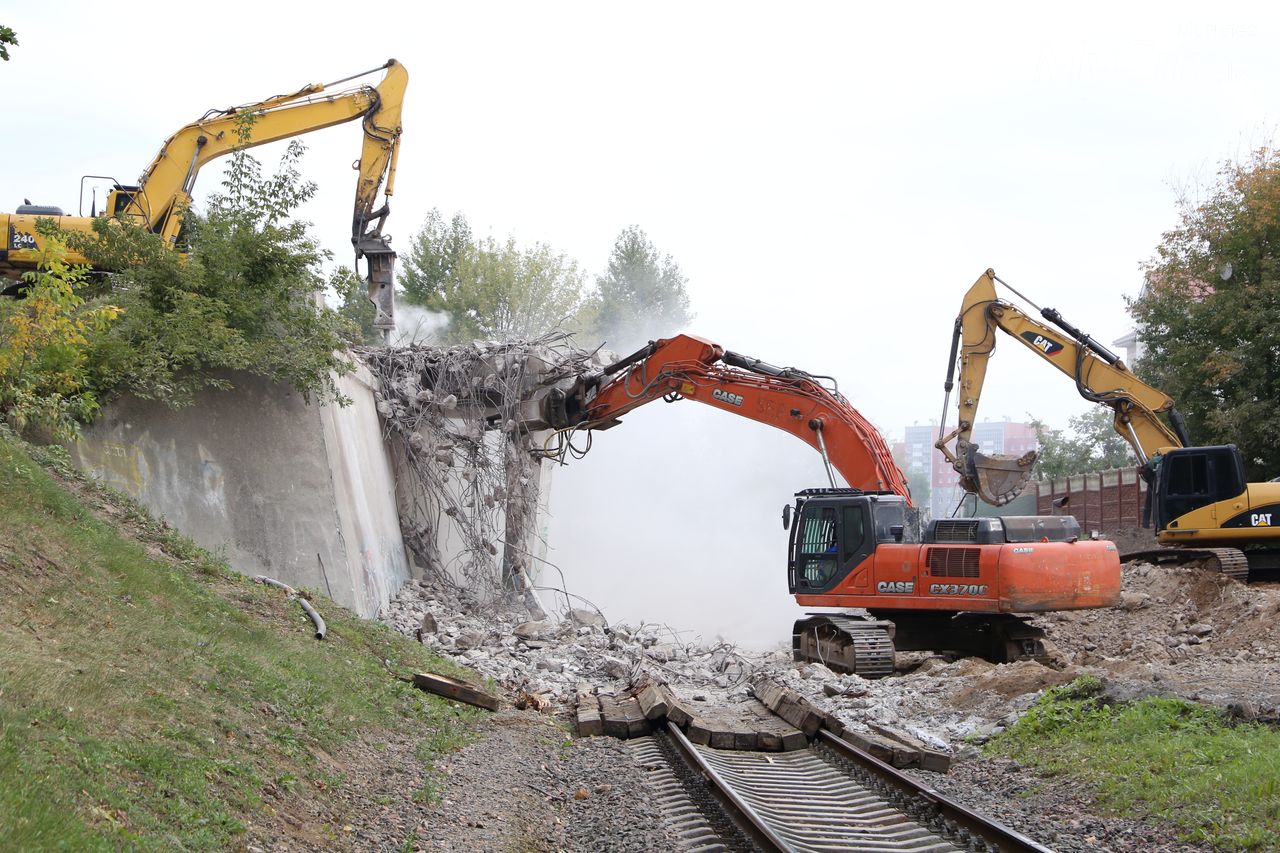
952,814
739,810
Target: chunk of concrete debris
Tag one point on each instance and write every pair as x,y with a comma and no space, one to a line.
616,667
1200,629
428,625
1134,600
467,640
588,618
817,672
534,630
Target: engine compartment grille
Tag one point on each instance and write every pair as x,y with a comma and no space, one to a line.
955,530
953,562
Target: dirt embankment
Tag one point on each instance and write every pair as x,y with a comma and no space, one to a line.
1185,631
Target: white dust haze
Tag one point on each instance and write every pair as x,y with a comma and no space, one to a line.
675,516
417,325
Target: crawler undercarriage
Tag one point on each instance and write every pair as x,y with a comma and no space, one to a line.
866,645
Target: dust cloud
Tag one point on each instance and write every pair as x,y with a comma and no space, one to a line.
418,325
675,517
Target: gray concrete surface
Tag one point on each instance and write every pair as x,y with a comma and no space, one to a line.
303,493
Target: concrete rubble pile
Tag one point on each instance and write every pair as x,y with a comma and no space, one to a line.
942,701
548,658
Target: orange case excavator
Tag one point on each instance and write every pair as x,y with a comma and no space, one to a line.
954,585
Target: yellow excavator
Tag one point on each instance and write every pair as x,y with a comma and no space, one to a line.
162,195
1197,497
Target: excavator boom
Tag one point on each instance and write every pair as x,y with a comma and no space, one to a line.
689,367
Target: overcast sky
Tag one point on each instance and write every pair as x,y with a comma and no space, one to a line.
831,177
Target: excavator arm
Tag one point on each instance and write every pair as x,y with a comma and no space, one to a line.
163,193
1100,377
691,368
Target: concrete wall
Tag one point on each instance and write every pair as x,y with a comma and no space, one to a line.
302,493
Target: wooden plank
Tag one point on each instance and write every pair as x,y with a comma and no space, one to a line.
677,711
794,740
880,747
637,723
768,692
904,755
746,738
453,689
775,732
652,702
926,756
721,736
699,731
832,723
590,723
615,719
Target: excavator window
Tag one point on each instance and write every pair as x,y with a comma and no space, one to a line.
818,544
1189,478
854,532
1189,475
829,539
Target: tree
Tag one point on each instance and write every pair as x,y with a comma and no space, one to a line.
44,380
242,298
640,296
7,37
434,257
489,289
1091,445
355,306
1209,315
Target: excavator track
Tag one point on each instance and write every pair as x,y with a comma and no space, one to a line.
1231,562
845,644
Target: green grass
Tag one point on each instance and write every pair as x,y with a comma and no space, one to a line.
1159,759
148,693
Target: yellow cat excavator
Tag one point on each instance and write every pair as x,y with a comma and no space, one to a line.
1197,497
162,195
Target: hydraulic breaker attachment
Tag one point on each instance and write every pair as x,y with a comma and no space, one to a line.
382,263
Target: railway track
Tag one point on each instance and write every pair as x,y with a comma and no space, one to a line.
829,797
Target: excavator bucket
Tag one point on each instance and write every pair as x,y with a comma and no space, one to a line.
996,478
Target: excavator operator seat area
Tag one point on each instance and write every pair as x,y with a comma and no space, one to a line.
1191,477
834,533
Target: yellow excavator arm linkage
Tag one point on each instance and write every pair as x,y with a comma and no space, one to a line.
165,187
1099,374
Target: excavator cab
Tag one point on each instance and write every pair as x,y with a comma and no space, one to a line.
833,530
1187,479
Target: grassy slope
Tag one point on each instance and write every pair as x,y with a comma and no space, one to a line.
148,695
1163,759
